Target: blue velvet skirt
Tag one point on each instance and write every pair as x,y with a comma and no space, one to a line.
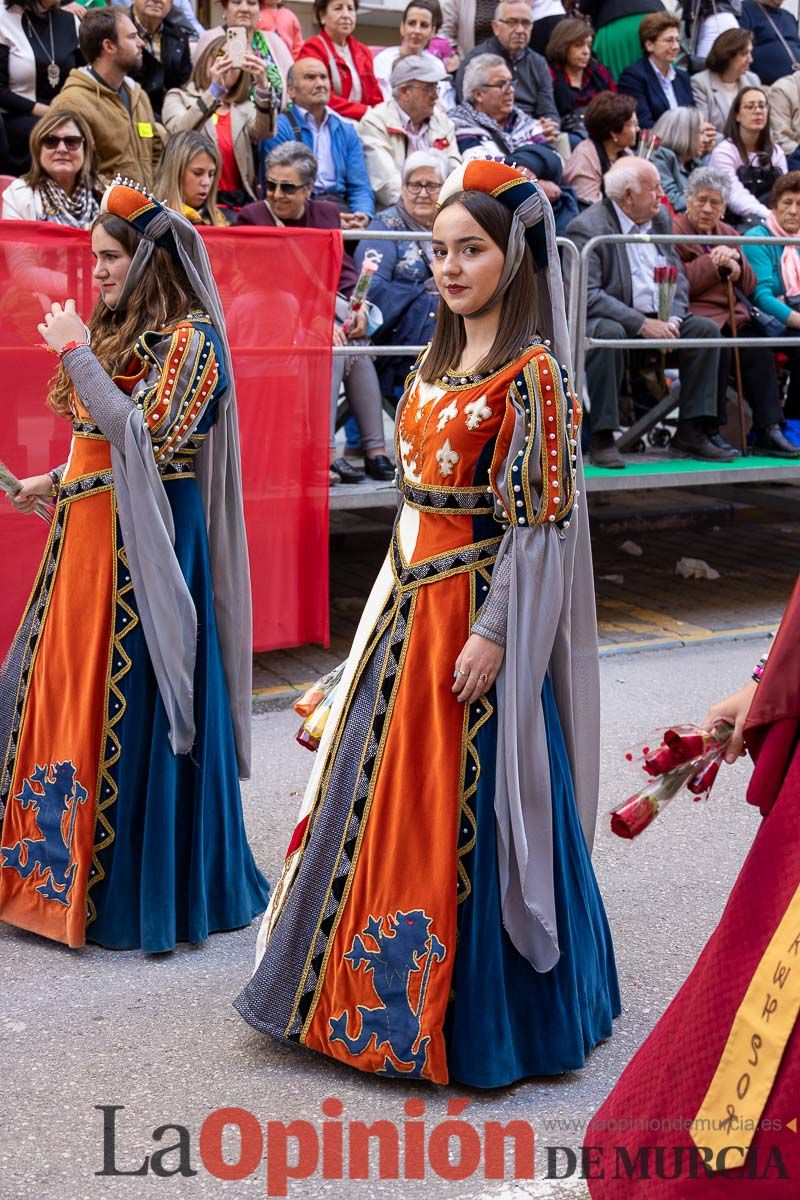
176,865
508,1021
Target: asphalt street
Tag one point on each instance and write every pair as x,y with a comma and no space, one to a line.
158,1036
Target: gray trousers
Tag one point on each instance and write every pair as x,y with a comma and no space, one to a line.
698,371
363,394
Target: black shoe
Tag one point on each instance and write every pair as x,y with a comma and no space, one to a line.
718,440
379,467
604,453
772,442
690,441
346,473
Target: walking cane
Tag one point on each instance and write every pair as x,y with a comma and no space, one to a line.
737,365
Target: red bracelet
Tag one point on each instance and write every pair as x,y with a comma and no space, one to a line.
70,346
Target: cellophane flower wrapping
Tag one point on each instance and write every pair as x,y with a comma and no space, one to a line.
315,706
687,756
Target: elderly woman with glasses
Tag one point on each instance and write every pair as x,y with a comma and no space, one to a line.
403,286
709,270
290,172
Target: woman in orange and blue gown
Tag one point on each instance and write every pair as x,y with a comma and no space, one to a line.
437,916
718,1079
123,822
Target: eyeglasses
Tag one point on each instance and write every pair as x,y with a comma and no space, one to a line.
289,189
753,108
515,24
506,86
52,141
430,189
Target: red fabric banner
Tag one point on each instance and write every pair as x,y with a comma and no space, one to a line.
278,288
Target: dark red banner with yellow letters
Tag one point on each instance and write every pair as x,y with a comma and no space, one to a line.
277,289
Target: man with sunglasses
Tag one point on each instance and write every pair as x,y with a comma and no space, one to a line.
414,119
533,86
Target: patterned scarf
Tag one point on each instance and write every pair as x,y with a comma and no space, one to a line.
523,129
261,47
77,210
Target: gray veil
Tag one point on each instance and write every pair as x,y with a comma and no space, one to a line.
551,630
166,609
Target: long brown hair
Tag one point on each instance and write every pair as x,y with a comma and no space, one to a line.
764,145
162,297
517,314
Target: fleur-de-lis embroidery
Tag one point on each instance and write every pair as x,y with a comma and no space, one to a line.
447,414
476,412
408,458
447,458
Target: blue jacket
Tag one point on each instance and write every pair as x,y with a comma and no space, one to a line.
770,60
639,80
352,179
766,263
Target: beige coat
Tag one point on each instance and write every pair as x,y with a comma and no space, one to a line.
127,143
386,147
784,112
458,23
183,109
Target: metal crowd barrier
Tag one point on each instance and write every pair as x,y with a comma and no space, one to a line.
569,249
583,343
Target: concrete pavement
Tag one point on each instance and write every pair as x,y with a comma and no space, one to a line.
158,1035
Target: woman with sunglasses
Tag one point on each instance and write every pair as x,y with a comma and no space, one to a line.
61,185
290,172
38,49
235,108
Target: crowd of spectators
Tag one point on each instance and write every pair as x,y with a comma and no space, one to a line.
634,118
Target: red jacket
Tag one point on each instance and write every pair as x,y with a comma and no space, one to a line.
708,293
322,47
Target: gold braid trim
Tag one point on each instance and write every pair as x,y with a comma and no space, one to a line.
104,831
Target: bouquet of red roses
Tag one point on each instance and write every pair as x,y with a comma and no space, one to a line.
687,756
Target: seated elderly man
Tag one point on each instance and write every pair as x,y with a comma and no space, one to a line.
412,120
488,123
623,303
341,169
708,270
784,117
511,31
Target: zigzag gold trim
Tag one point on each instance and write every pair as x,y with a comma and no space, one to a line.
468,748
103,826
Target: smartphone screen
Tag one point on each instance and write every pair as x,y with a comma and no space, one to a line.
237,45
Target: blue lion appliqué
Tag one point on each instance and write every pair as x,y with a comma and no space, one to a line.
59,794
404,946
